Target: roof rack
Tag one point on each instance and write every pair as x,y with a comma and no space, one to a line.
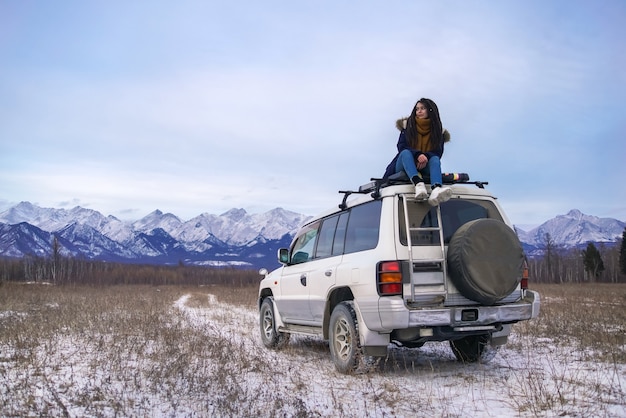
346,193
376,184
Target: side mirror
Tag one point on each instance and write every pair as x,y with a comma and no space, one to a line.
263,272
283,255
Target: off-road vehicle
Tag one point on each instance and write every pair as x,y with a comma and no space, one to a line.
384,268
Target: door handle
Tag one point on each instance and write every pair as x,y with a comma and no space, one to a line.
303,280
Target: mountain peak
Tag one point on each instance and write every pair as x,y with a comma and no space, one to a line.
159,214
21,209
24,205
157,219
575,213
235,214
574,229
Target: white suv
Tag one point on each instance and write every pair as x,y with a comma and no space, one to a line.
385,268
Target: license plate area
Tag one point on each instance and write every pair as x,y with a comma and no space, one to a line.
469,315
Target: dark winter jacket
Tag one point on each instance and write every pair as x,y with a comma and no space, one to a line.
404,144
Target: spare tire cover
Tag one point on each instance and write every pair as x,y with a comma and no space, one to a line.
485,260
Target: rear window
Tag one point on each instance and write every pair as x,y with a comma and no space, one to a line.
454,213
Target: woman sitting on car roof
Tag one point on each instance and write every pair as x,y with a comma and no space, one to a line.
420,147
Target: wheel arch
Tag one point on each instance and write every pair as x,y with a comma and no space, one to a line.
335,297
264,293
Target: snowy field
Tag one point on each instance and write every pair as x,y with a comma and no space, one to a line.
196,356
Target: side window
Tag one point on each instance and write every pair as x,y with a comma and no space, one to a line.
363,227
340,234
304,244
325,240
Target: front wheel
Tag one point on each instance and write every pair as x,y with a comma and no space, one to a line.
345,347
473,348
269,335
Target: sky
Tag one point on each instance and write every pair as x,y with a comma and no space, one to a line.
196,107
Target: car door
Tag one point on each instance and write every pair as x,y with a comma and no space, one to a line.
328,254
293,302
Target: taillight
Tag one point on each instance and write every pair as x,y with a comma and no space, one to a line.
389,278
524,282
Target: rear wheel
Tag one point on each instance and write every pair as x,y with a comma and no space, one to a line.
473,348
269,335
345,348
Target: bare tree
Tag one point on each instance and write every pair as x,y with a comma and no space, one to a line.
622,254
56,259
551,257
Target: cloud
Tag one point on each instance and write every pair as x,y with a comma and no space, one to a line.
71,203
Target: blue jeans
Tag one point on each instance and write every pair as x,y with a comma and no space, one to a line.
406,162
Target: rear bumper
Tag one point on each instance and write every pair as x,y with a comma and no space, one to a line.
387,314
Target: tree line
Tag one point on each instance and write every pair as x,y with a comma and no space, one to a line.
603,263
73,270
557,265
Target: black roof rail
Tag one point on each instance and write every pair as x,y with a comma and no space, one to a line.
376,184
343,205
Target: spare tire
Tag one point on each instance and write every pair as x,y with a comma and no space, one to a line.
485,260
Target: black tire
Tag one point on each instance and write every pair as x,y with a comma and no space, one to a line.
270,337
485,260
345,347
473,348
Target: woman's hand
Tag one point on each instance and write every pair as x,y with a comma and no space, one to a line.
422,160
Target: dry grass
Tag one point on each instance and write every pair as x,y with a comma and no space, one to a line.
590,317
579,325
139,352
111,328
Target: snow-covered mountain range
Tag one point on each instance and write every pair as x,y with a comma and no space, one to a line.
574,229
234,238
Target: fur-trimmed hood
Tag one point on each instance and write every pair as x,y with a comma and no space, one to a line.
401,125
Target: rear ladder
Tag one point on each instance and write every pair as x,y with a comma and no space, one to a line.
435,283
